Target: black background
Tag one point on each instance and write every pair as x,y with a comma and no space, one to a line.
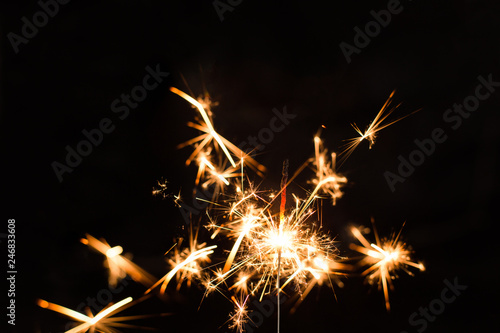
261,56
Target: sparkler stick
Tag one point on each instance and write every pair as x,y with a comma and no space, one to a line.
273,249
281,221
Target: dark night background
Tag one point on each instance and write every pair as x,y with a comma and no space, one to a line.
261,56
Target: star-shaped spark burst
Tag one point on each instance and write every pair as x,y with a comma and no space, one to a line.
370,134
239,318
384,259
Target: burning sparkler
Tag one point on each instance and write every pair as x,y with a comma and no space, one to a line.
384,259
271,247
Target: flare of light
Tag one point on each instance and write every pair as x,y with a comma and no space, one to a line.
164,281
118,265
103,320
370,134
384,259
